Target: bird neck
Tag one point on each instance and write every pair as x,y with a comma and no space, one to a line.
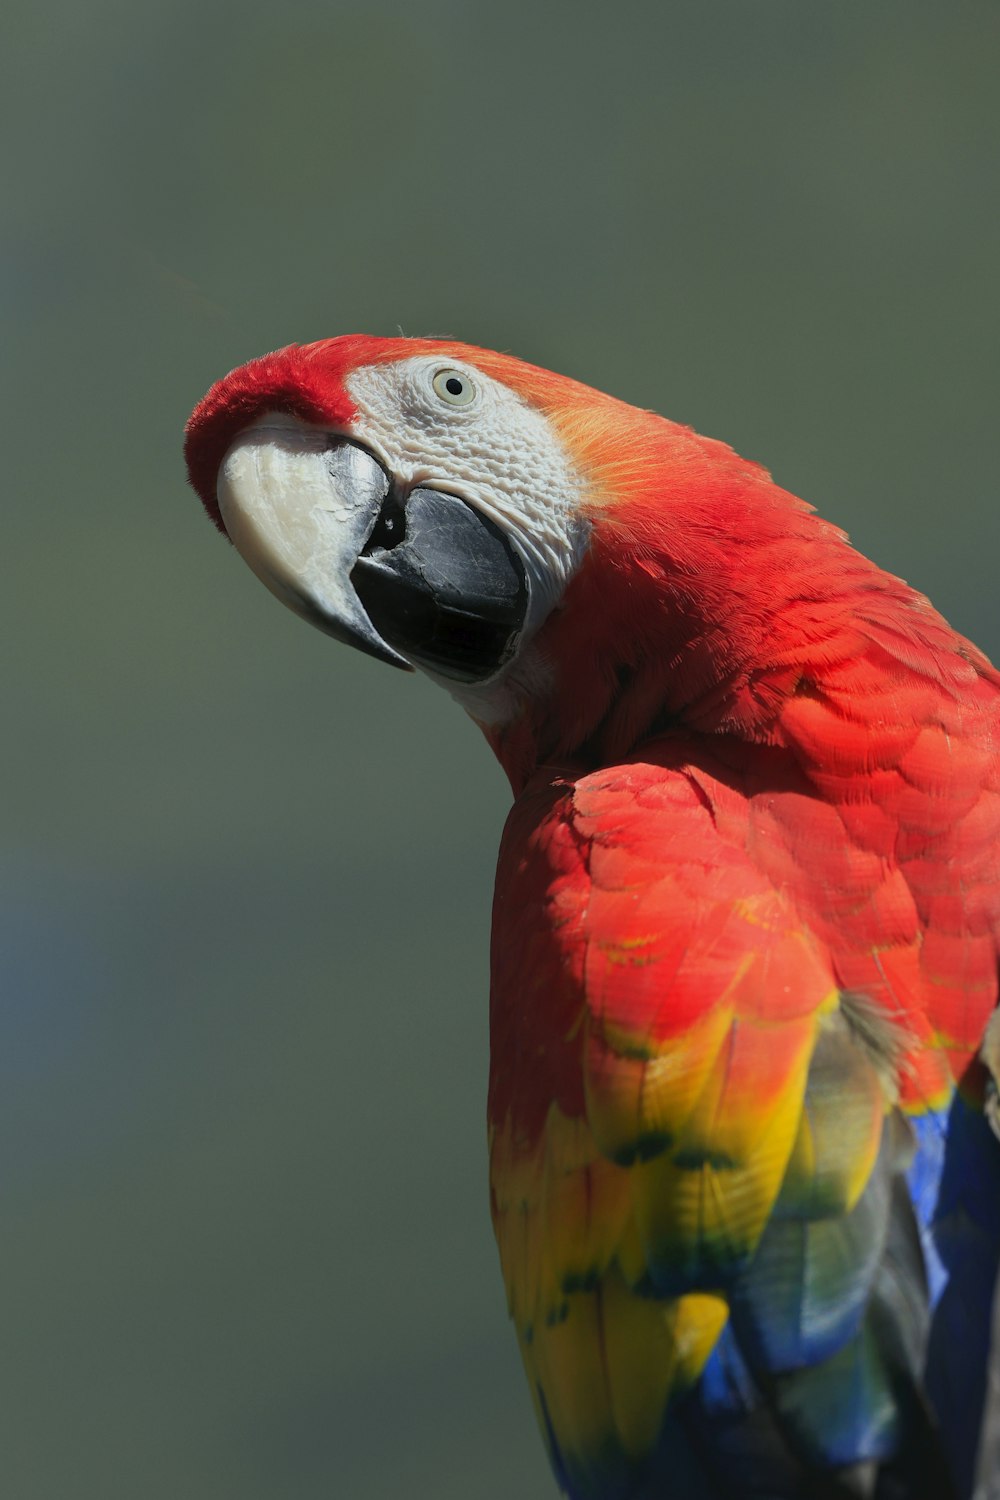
715,632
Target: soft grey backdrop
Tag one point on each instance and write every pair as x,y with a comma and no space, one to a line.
244,1240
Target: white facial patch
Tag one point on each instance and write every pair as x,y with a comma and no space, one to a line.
494,451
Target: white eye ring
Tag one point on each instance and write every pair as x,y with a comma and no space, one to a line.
454,387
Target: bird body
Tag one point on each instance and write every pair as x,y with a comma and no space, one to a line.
747,918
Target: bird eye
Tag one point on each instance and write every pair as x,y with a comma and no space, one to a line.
454,387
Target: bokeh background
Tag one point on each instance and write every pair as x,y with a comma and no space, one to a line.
244,1238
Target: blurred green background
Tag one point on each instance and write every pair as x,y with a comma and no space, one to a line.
246,874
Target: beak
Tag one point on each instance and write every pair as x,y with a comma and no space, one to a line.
299,511
411,578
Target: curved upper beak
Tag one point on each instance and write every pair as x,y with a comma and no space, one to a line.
299,512
411,577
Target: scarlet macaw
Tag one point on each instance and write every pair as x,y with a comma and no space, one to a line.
744,1181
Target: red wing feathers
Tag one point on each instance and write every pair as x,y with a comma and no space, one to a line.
711,986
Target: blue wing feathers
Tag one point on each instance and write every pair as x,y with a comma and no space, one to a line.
860,1345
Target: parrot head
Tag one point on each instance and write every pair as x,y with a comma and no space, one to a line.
573,569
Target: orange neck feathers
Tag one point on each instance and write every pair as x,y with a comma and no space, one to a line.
708,600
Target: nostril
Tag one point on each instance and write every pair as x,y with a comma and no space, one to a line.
390,528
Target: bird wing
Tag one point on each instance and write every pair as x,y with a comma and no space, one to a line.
699,1156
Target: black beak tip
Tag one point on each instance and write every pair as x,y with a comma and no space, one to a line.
340,630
